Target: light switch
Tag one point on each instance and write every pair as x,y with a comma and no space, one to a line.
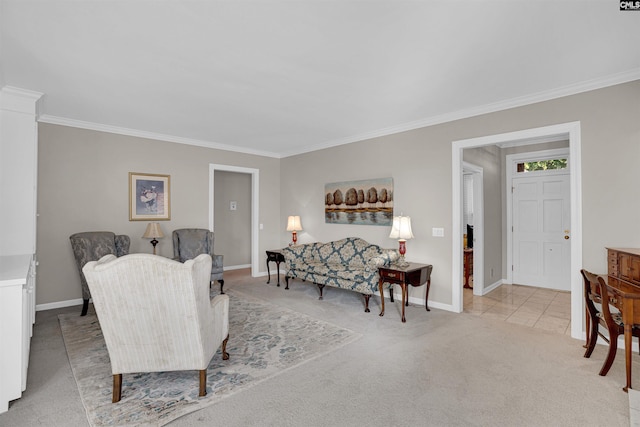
437,232
233,205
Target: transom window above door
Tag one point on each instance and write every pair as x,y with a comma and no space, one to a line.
542,165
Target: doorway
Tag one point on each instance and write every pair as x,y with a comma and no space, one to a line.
473,227
255,180
566,131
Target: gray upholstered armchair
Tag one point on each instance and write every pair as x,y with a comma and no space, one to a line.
91,246
188,243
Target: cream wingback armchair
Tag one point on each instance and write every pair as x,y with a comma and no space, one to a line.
156,314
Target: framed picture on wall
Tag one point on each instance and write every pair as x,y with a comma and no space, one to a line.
149,197
365,202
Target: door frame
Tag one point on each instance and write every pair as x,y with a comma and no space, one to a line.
564,131
520,157
255,185
478,225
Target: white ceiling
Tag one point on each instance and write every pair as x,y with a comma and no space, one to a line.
284,77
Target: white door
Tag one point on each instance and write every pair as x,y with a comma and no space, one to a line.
541,231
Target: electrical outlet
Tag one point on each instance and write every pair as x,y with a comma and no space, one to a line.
437,232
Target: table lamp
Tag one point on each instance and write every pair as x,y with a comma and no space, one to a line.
401,230
153,232
294,225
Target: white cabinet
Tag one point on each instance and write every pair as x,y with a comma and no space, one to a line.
18,197
18,170
17,316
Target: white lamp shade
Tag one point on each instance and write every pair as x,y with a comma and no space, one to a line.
293,223
153,231
401,228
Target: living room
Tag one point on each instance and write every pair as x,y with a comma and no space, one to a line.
83,172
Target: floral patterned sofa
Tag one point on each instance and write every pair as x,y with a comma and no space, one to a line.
350,263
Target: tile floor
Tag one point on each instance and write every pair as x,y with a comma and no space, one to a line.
536,307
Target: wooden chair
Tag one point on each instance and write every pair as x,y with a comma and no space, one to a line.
613,322
593,317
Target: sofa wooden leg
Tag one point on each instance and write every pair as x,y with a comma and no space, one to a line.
320,287
117,388
225,355
366,303
221,286
286,279
203,383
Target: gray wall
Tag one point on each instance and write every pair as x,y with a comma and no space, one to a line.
420,163
83,186
232,228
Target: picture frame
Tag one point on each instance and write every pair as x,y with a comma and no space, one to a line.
364,202
149,197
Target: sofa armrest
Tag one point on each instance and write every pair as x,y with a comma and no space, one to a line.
385,259
299,253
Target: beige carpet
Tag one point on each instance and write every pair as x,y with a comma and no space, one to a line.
438,369
265,340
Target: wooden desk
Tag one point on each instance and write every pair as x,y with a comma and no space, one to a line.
414,275
625,296
276,256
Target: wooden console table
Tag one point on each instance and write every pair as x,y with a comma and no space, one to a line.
275,255
414,274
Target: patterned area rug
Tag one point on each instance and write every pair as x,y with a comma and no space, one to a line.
265,340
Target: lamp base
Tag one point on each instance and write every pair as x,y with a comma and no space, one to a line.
154,242
401,262
402,250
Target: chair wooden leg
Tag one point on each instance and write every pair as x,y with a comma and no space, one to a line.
221,286
592,338
117,388
588,325
85,307
611,355
225,355
203,383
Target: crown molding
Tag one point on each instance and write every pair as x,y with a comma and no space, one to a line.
573,89
586,86
19,100
55,120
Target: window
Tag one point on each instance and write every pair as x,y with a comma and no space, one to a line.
541,165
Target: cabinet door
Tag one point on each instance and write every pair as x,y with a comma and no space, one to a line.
634,273
629,266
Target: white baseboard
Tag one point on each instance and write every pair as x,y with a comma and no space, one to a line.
236,267
492,286
59,304
419,301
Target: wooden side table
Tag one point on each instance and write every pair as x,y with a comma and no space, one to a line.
414,274
274,255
